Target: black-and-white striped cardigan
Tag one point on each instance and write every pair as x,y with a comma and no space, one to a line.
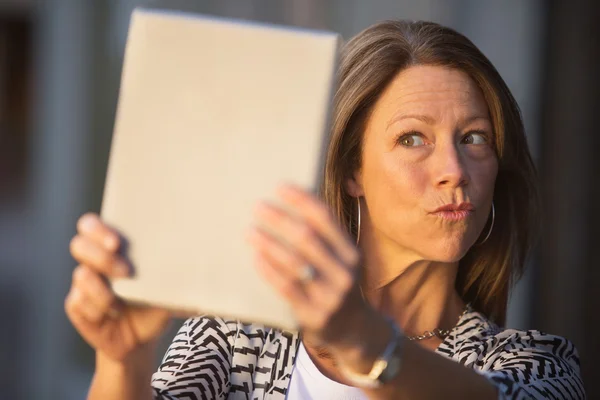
211,358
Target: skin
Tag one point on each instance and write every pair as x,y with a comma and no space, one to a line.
410,168
427,143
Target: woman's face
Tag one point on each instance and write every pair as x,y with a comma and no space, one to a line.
428,143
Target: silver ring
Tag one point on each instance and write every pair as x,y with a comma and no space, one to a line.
307,274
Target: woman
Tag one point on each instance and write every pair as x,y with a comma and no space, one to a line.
398,274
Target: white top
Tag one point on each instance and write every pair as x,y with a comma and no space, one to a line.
308,383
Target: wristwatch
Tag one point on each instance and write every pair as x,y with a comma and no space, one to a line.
386,366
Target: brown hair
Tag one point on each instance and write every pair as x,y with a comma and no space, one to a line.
368,63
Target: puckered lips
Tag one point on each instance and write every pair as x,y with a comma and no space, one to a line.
454,212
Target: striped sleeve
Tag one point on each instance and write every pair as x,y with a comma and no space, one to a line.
532,365
197,363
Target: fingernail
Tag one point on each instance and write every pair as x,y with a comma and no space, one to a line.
121,268
111,242
88,223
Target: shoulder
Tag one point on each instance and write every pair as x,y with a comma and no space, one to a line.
223,356
530,361
476,338
260,359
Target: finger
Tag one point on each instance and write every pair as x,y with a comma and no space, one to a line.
86,328
320,218
314,303
290,266
304,240
288,261
83,306
326,295
149,321
90,225
283,283
90,253
319,215
333,300
96,290
83,318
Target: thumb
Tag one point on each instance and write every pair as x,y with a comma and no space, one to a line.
148,323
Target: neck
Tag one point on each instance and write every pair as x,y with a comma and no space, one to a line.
420,295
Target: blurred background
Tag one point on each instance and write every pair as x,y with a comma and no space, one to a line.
60,63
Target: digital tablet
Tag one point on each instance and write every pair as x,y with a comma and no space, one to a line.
213,115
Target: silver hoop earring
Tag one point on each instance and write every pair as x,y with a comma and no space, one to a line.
491,226
358,222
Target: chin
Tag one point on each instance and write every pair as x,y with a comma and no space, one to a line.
446,252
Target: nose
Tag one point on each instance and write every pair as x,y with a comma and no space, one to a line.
450,169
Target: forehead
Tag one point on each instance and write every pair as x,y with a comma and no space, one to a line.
432,90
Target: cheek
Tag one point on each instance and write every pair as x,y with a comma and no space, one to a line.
482,164
483,177
393,187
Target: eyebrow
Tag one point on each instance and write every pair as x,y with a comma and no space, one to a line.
430,121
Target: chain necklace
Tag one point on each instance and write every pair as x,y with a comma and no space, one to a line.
441,333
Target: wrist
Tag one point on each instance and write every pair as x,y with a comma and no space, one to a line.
369,368
129,378
364,345
142,358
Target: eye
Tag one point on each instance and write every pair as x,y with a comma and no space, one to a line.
475,138
411,140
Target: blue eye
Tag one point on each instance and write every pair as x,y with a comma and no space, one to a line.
475,138
411,140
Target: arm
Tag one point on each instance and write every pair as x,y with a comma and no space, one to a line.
423,374
125,336
331,312
510,365
196,366
124,380
427,375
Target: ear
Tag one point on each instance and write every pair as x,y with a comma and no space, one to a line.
354,185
